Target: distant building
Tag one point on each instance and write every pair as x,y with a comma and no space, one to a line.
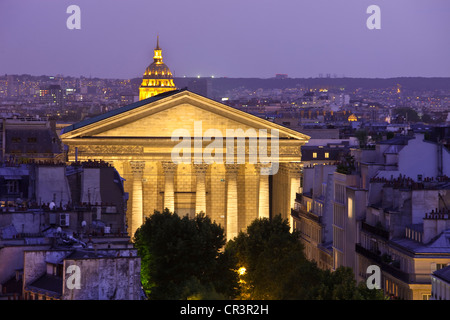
324,154
12,86
52,95
157,77
281,76
128,98
201,86
28,140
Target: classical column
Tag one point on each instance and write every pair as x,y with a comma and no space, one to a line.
294,171
150,185
137,214
200,192
232,201
263,203
169,192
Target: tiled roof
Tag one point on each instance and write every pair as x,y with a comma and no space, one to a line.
440,245
443,273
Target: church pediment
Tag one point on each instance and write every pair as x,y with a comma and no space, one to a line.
181,110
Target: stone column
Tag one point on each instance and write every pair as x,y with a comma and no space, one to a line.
200,192
137,214
232,201
169,192
294,171
150,185
263,202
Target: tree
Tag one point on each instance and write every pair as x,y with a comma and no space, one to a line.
341,285
275,266
347,165
181,258
277,269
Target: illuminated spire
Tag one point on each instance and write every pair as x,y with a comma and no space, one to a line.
157,58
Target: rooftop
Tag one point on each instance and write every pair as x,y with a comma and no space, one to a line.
443,273
440,245
397,140
50,284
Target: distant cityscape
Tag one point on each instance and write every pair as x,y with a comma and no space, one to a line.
318,100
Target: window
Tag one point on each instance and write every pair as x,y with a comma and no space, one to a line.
32,140
12,186
64,219
314,155
440,266
327,155
16,140
426,296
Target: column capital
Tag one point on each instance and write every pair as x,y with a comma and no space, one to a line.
137,166
232,168
200,168
169,166
294,167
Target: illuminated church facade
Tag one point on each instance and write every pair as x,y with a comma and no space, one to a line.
139,141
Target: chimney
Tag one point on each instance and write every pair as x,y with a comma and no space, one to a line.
435,223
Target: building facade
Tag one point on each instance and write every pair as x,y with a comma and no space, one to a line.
389,208
313,214
229,181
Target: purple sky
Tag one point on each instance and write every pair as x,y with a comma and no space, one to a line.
231,38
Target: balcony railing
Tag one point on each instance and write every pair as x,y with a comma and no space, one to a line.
301,212
403,276
375,230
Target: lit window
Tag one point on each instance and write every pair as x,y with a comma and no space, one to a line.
314,155
327,155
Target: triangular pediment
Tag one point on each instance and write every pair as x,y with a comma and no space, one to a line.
183,111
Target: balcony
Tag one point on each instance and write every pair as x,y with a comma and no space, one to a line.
403,276
375,230
301,212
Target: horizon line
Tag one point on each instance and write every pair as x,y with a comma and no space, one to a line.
227,77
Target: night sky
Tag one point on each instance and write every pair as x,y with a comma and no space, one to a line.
232,38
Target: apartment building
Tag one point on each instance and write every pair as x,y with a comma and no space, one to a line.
389,207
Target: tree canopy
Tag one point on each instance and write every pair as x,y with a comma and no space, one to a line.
182,258
188,258
277,269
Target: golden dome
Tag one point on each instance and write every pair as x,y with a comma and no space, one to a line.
158,71
157,77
